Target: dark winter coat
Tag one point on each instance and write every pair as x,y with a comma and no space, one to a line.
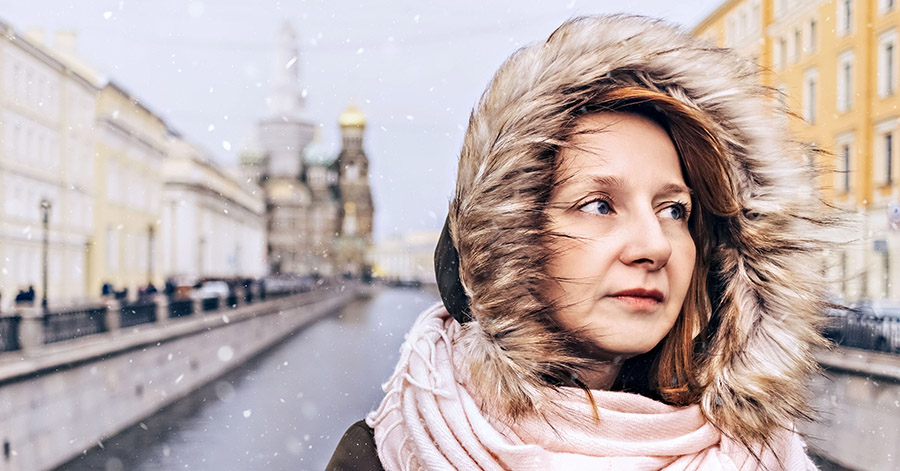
356,450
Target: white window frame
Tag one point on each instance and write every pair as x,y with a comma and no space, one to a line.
730,33
845,70
810,97
886,6
776,55
112,249
844,24
796,48
843,175
780,7
882,130
887,63
812,29
755,15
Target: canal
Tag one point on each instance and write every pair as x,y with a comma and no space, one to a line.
286,409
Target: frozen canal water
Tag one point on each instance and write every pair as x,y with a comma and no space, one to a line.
285,409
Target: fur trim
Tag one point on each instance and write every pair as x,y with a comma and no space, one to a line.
768,258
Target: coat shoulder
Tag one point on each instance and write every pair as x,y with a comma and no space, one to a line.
356,450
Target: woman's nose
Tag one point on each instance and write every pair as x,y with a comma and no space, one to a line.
646,243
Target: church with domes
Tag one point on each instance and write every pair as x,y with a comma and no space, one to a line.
319,208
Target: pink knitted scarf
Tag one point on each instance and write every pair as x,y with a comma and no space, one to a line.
428,420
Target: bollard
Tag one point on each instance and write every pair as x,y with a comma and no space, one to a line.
31,329
198,306
113,315
162,308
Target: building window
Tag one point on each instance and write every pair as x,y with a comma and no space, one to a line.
743,25
844,274
812,30
810,81
844,168
112,248
887,63
782,52
845,82
729,32
798,44
780,6
883,150
885,271
885,6
889,158
754,16
845,17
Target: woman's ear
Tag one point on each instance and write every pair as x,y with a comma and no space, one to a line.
446,271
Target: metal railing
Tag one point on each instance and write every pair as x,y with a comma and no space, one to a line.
855,329
32,326
9,333
136,314
69,325
181,308
210,304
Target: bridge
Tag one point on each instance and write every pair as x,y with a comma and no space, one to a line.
272,383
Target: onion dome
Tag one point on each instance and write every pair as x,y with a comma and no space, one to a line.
352,117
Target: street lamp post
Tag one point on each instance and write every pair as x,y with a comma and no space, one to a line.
151,232
45,218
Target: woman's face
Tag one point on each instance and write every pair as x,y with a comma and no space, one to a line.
626,266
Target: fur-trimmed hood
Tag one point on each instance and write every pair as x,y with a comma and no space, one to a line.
766,281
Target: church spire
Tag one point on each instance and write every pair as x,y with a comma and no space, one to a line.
286,97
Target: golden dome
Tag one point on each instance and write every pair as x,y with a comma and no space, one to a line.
352,117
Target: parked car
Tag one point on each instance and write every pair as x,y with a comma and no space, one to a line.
211,289
882,318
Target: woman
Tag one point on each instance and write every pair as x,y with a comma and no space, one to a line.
631,272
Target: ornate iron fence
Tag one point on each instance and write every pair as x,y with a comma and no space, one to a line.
136,314
67,325
862,329
210,304
181,307
9,333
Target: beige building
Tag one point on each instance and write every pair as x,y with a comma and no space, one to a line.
406,258
835,64
46,155
131,147
212,224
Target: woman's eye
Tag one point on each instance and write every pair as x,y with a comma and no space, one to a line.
597,207
677,211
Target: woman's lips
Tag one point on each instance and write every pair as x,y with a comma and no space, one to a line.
638,303
639,298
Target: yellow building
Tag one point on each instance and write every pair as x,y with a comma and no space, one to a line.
131,146
835,65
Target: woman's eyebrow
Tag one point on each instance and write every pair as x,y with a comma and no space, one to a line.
611,182
674,189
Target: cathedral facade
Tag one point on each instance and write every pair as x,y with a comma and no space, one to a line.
318,208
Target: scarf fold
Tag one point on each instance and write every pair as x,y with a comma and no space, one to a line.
428,420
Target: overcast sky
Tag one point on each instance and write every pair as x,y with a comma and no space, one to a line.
415,68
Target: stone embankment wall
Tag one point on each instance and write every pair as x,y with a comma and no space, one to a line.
858,399
64,399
